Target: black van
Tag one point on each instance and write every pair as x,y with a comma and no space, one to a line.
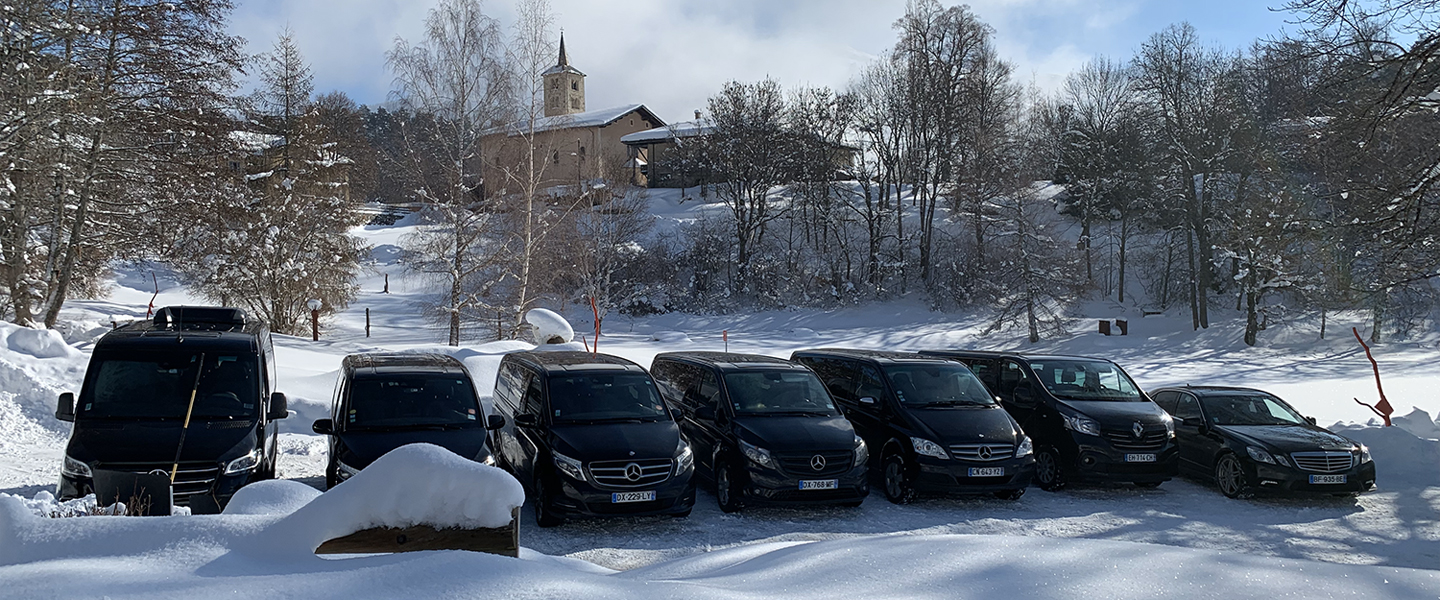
1089,419
384,401
929,422
202,374
588,435
764,428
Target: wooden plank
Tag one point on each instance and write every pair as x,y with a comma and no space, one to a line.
504,541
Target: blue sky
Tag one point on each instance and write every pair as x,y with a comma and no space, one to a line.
673,54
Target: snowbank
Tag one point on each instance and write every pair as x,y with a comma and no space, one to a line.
39,343
670,337
549,327
274,497
1402,460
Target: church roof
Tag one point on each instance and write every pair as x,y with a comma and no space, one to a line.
563,65
593,118
670,132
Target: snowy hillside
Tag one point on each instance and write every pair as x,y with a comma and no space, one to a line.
1101,542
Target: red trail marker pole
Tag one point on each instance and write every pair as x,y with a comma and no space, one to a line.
1382,407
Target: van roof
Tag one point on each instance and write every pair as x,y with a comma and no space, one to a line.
879,356
999,354
728,361
384,363
572,361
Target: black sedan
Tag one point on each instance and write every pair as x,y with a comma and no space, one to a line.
1248,440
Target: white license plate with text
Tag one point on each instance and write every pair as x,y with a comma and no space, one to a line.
987,471
1327,479
820,484
1140,458
620,497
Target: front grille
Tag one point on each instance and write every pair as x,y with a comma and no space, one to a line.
982,452
1324,462
801,464
192,478
614,473
1151,440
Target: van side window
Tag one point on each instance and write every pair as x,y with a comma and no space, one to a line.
673,379
534,397
870,385
838,377
708,390
507,388
1011,374
983,369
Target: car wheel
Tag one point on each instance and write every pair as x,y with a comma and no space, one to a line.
545,515
1230,476
332,476
1048,473
1010,494
898,487
727,493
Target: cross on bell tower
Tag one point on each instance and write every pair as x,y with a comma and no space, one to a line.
564,86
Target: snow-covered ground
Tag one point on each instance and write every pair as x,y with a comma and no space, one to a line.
1181,540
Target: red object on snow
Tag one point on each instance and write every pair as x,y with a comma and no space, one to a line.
1382,407
596,311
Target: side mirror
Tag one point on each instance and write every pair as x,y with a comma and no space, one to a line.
65,409
279,407
494,422
867,400
323,427
527,420
705,413
1311,420
1023,396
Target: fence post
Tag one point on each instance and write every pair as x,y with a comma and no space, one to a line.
367,322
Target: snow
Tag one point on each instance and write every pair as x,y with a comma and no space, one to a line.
1183,540
39,343
549,327
592,118
682,129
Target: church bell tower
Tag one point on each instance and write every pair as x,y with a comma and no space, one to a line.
564,87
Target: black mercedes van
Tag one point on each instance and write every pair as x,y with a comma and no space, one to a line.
1089,419
764,428
930,424
204,375
588,435
385,401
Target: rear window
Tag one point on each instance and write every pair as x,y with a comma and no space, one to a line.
404,400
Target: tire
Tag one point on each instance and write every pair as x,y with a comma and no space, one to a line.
898,486
545,515
1011,495
1230,477
332,476
1049,475
726,483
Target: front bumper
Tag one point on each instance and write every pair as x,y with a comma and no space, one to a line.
675,495
1274,478
1098,462
202,498
772,486
952,476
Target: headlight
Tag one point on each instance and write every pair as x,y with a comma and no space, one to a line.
684,459
344,471
1260,454
757,455
75,468
928,448
1169,424
1081,424
1026,447
244,463
862,452
1364,454
569,466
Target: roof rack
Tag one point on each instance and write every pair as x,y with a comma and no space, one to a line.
200,318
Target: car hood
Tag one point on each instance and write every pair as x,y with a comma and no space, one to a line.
1289,438
966,425
366,446
1119,415
156,441
617,441
797,434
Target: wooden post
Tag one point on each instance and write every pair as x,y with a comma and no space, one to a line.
387,284
499,326
367,322
1104,327
314,325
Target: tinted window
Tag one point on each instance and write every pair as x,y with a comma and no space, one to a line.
671,378
1086,380
1249,409
507,388
706,390
937,385
1187,408
405,400
1166,400
838,377
159,385
870,385
595,397
777,392
1011,374
983,369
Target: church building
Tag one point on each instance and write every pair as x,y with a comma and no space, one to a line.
579,147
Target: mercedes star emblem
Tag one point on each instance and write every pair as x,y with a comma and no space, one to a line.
817,462
1138,429
985,453
632,472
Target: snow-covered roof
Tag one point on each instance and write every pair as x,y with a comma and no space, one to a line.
250,141
669,132
593,118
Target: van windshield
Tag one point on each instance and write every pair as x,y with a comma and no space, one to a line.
393,400
778,392
158,385
599,397
1086,380
937,385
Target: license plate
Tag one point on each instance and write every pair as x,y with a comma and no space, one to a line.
820,484
1327,479
987,472
1139,458
620,497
